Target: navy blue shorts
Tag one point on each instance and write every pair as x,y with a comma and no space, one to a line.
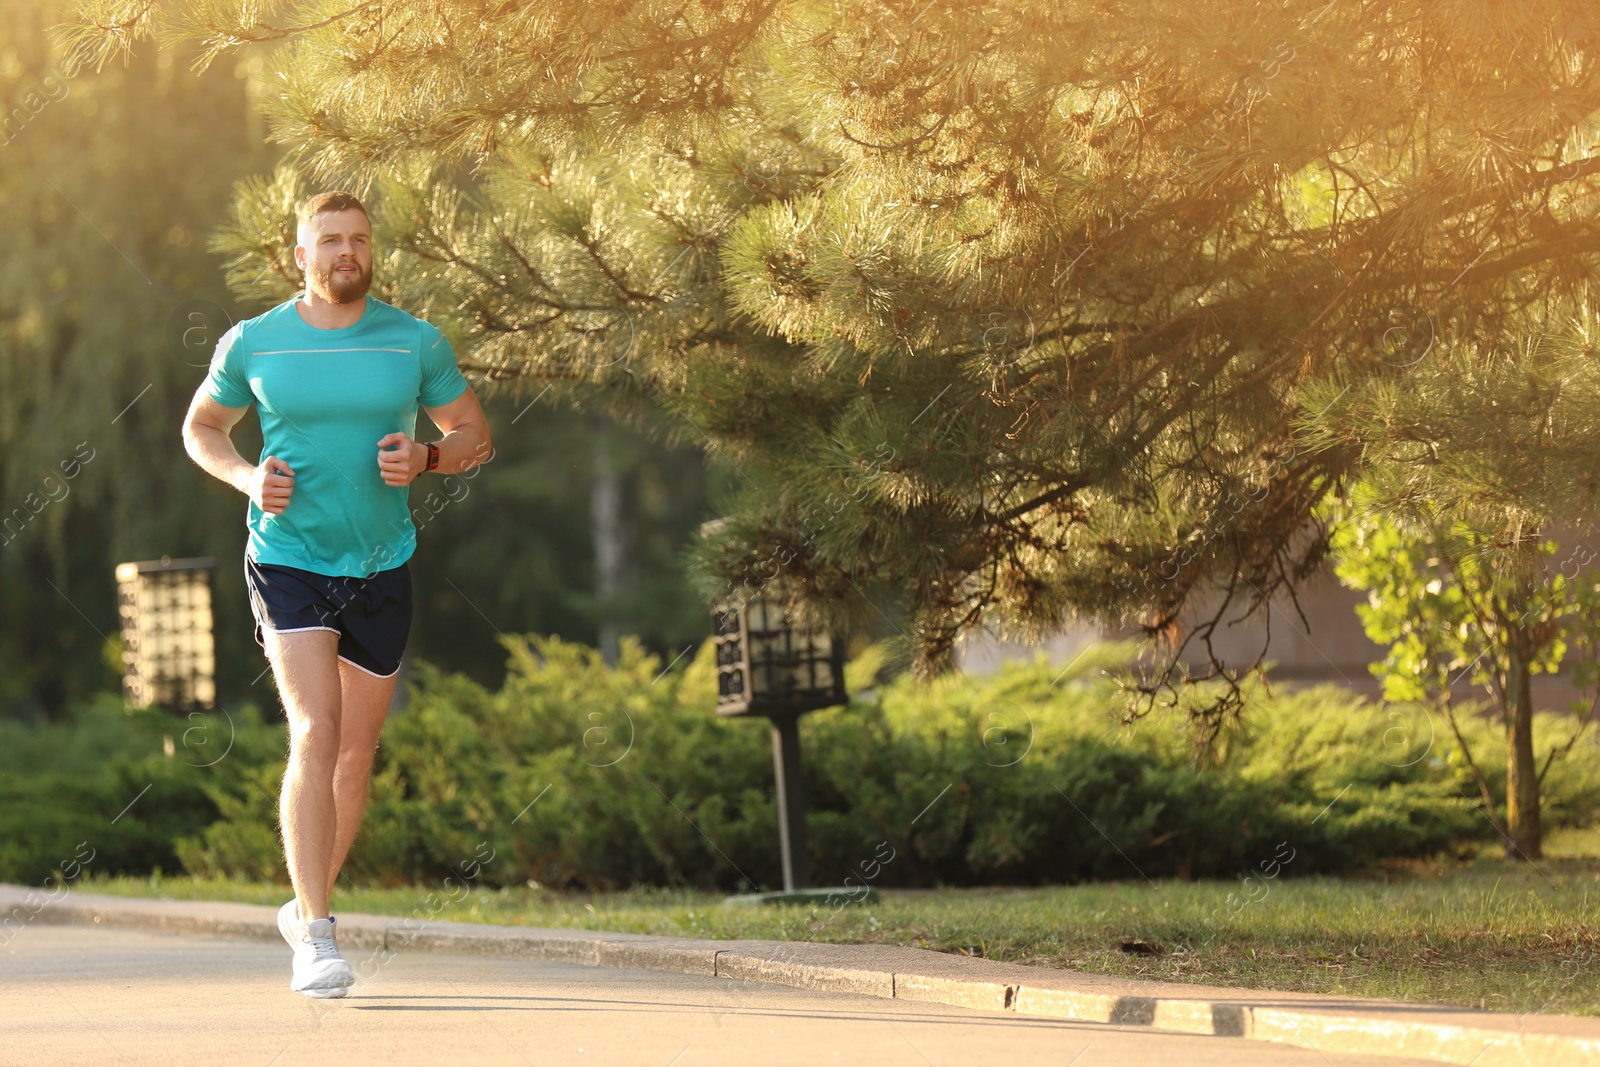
372,616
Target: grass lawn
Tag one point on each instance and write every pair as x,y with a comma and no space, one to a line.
1484,933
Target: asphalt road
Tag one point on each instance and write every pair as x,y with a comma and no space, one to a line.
80,995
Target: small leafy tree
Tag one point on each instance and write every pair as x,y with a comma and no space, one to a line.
1446,611
1466,470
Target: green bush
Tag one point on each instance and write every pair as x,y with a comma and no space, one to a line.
578,775
99,791
1092,799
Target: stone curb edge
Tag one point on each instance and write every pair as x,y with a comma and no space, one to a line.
1326,1024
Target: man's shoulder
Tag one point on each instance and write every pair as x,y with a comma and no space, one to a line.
248,330
385,314
272,315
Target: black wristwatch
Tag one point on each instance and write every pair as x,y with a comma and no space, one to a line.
433,455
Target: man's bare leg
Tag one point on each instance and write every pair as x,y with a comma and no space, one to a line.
364,702
306,666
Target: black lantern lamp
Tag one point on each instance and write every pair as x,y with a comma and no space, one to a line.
168,650
768,666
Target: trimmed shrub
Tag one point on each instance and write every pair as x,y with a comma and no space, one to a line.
578,775
99,791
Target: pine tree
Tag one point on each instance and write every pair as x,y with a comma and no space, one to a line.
996,307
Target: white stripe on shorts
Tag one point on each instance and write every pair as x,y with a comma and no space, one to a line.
375,674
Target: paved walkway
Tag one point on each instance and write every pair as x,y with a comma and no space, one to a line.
97,995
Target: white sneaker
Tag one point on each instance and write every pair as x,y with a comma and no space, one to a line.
319,970
288,920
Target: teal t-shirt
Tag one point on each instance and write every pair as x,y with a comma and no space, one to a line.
325,397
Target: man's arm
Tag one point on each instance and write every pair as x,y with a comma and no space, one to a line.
465,443
206,430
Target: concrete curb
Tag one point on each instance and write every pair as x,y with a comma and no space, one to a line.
1327,1024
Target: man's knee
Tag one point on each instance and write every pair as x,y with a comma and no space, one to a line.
356,748
313,738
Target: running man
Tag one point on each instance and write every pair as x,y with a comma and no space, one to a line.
336,377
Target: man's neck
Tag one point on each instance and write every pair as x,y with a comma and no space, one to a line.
326,315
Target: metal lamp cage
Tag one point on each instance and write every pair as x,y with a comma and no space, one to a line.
168,647
766,665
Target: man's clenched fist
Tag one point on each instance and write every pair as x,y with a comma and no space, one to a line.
271,484
400,459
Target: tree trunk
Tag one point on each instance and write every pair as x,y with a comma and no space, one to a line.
605,517
1522,773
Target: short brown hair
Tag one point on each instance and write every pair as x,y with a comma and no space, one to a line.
332,200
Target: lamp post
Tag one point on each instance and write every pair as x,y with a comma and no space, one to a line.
768,666
168,651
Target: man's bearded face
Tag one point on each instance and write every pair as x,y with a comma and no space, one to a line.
338,255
